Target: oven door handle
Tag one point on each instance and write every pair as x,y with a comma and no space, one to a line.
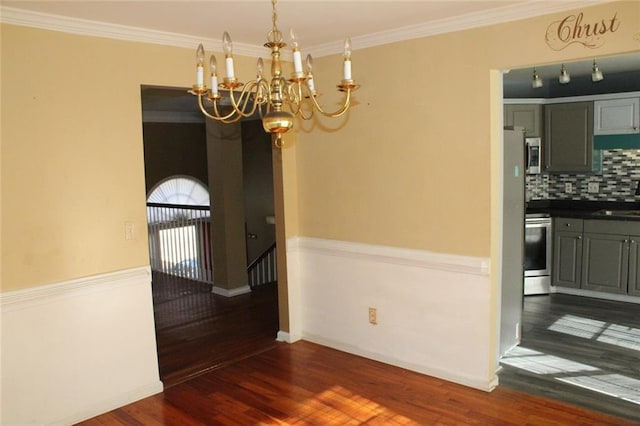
537,221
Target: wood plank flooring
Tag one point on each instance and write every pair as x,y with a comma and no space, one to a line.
579,350
197,330
307,384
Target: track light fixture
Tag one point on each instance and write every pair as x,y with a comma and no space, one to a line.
536,81
564,77
596,74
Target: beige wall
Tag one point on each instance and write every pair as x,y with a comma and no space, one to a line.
411,167
72,157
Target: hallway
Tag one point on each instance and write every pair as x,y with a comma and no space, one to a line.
198,331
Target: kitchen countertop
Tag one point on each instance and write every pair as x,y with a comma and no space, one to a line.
582,209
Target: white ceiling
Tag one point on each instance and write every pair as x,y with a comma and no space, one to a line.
321,26
317,23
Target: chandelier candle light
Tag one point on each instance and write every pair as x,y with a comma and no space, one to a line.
279,100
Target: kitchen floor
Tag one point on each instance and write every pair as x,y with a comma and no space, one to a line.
579,350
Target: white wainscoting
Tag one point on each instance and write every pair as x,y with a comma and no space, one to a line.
75,349
433,310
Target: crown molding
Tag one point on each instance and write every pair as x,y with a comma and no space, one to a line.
26,18
509,13
468,21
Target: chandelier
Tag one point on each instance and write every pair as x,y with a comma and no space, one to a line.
278,100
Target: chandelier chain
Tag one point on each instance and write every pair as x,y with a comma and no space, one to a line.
274,36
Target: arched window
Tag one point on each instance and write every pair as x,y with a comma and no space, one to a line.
182,190
178,215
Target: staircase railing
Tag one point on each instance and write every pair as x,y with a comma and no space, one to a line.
263,270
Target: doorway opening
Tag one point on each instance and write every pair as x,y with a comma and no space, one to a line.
566,349
201,321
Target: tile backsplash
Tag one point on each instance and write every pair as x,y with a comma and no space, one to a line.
617,181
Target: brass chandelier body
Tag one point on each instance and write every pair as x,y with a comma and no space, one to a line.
278,100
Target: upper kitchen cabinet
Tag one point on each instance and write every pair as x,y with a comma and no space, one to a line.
526,115
568,137
617,116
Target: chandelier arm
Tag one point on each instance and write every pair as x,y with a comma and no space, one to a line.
296,92
240,105
303,116
263,87
217,115
232,120
229,118
340,111
294,98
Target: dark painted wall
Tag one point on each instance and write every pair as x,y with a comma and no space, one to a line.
258,187
174,149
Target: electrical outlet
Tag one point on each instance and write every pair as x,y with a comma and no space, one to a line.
373,316
594,187
568,187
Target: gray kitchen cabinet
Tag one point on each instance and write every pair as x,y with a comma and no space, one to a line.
617,116
605,263
528,116
611,258
567,252
634,266
568,137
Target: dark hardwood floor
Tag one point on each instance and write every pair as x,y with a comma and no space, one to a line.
307,384
197,331
579,350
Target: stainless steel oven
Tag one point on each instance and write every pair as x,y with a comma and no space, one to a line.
537,254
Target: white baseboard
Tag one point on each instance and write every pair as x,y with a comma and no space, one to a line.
75,349
595,294
451,376
433,310
286,337
230,292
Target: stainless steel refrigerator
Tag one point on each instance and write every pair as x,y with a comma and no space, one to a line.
512,251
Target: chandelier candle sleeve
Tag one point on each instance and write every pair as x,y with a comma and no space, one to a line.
297,56
200,66
214,75
310,84
227,46
347,59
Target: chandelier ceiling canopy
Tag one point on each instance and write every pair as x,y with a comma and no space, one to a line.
278,100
